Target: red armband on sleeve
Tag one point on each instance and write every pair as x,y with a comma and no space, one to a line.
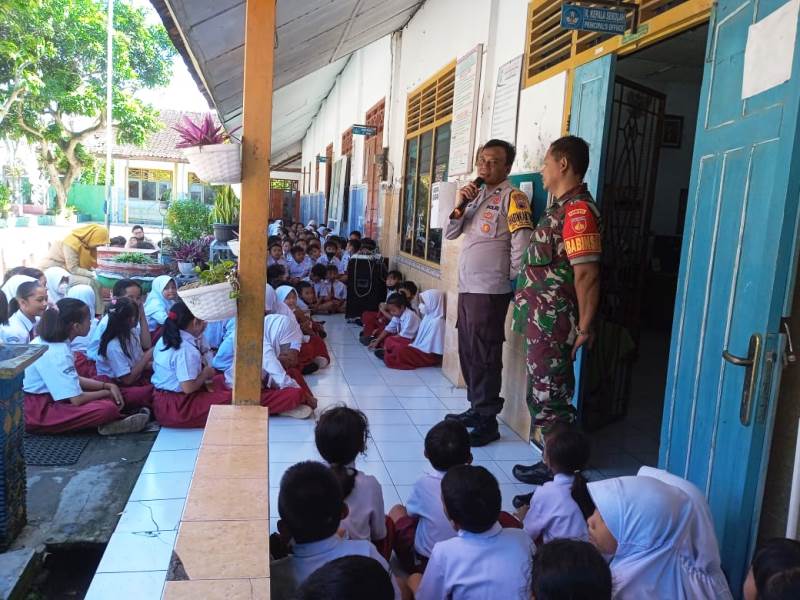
581,233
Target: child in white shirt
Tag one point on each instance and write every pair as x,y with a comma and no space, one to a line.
331,293
18,324
570,569
330,258
162,296
341,435
484,560
404,323
299,264
275,255
346,577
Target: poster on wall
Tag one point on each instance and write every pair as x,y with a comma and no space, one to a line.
541,112
506,101
465,111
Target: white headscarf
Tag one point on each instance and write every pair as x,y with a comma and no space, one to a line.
652,523
430,337
283,292
54,275
275,227
85,294
10,286
275,306
312,225
703,535
156,306
277,330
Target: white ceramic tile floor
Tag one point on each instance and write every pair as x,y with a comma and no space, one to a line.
127,586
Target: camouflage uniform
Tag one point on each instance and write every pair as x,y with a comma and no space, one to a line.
546,305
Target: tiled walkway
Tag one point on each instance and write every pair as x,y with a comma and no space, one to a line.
401,407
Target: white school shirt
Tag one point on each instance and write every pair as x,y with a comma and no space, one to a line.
298,270
97,332
281,261
53,372
20,329
307,558
343,262
480,566
554,514
323,289
425,502
324,260
115,364
406,325
171,366
367,518
82,343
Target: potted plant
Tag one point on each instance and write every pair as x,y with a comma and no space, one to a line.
213,297
187,220
207,147
224,216
189,254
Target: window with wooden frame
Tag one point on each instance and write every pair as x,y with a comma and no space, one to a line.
550,49
428,116
149,184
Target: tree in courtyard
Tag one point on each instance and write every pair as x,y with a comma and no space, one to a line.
65,74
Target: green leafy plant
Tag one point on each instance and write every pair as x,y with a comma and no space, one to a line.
136,258
218,273
5,200
187,220
226,207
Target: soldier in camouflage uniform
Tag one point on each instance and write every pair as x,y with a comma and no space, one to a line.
558,291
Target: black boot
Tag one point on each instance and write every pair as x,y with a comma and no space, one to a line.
537,474
522,500
485,432
469,418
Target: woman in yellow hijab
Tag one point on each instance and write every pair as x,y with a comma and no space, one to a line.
77,253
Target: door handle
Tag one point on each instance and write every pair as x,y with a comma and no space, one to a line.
750,363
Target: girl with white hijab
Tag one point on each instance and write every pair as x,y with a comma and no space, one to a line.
58,284
427,348
9,288
160,299
649,529
313,352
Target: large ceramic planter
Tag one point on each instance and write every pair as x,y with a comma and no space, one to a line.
186,268
223,232
216,163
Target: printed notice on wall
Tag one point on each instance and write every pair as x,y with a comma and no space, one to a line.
770,50
465,111
506,101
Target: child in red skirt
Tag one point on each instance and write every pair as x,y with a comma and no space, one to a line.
404,323
373,321
163,293
182,397
428,346
313,351
121,359
80,345
57,399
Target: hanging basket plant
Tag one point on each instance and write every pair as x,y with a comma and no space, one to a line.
213,297
209,150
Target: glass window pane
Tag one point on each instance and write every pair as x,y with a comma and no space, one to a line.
406,231
133,190
149,190
196,196
164,191
209,194
423,195
440,167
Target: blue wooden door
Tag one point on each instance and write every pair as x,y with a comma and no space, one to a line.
590,116
737,271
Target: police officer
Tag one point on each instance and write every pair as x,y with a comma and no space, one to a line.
495,219
558,291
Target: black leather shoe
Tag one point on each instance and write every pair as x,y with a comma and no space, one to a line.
469,418
537,474
522,500
310,368
484,433
379,353
365,339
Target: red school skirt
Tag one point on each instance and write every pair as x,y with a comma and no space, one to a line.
373,322
280,401
137,395
176,409
84,365
312,349
45,415
398,354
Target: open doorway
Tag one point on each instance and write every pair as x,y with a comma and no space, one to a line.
648,161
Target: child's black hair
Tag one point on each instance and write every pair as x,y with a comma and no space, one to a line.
319,270
119,325
396,274
310,502
568,453
772,558
409,286
55,323
356,233
178,318
471,496
117,241
368,244
355,244
352,577
397,299
296,249
3,309
301,285
341,435
21,270
275,273
447,445
275,243
782,586
122,285
571,569
24,291
330,268
331,244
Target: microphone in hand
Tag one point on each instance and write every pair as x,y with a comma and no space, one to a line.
478,182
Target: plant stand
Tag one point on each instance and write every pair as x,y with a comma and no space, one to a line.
219,251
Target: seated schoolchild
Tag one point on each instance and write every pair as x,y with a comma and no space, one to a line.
351,248
316,276
555,510
404,323
351,577
183,396
427,348
223,358
275,254
341,435
574,569
277,275
484,560
57,284
307,301
330,257
162,296
9,285
331,293
299,264
313,351
57,399
373,321
215,332
650,529
314,253
26,305
80,345
120,358
774,571
124,288
409,290
311,507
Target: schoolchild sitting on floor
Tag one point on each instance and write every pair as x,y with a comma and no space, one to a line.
427,348
484,560
573,569
311,507
24,309
277,275
314,253
404,323
57,284
57,399
299,264
775,571
307,300
351,577
331,293
275,254
162,296
313,353
182,396
341,435
316,276
124,288
409,290
330,257
80,345
373,321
